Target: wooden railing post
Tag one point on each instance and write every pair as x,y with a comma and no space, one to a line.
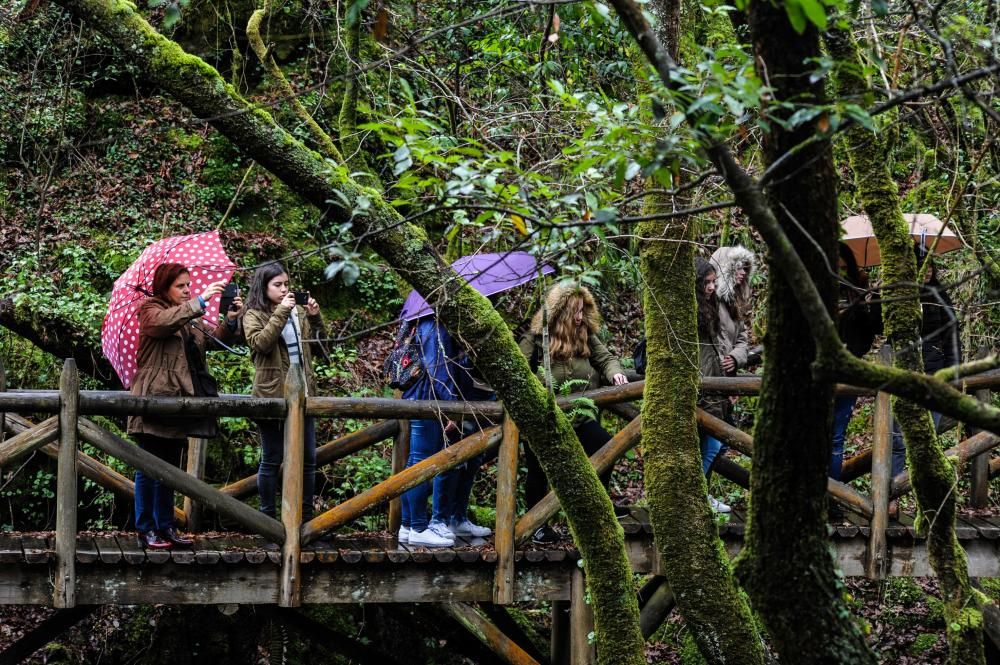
400,453
980,464
581,622
3,388
875,562
503,581
197,450
64,594
290,591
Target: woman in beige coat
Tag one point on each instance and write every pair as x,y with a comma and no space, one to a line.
171,362
278,333
733,266
579,360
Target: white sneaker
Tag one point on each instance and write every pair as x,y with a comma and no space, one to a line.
404,535
467,528
435,535
717,505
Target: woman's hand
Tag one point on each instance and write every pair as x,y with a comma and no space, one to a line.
289,300
312,307
212,290
728,365
620,379
236,309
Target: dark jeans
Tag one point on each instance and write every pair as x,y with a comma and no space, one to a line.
843,407
272,452
536,485
154,501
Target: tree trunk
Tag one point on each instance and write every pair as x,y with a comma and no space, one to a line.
933,476
695,563
466,314
786,564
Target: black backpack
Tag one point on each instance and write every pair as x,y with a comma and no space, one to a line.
404,366
639,357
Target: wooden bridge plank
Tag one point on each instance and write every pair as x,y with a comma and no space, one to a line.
86,550
985,529
38,549
420,554
108,548
182,555
10,549
253,550
228,551
863,525
964,530
206,550
630,524
132,550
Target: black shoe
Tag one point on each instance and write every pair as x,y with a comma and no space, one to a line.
151,540
176,538
545,535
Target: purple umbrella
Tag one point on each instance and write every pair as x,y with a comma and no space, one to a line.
486,273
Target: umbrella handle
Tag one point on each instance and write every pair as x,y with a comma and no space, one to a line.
238,352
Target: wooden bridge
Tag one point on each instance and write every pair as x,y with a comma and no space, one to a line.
68,567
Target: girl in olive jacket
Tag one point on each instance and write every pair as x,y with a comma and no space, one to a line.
277,332
576,354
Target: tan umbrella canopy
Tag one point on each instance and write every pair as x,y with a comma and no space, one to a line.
860,238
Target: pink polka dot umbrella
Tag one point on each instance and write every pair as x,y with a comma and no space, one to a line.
204,256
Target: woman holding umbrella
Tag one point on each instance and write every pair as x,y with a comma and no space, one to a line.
171,361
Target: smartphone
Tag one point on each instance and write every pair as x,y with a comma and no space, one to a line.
301,297
230,293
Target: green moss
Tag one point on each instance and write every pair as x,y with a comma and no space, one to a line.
923,643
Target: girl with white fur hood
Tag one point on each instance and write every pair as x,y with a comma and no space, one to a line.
734,265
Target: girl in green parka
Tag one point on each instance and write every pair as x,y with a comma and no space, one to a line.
576,355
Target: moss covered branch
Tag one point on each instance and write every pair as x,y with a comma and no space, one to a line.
464,312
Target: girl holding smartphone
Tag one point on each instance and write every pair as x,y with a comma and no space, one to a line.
278,331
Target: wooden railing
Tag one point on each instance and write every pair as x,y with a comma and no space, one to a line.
70,426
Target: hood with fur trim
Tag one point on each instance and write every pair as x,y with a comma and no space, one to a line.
558,298
726,260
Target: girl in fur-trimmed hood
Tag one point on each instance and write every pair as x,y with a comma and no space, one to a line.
733,265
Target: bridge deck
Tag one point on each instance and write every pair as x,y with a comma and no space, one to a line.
113,567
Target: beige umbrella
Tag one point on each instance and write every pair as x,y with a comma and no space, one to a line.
860,237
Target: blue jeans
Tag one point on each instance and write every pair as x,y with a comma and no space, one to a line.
710,449
272,453
843,407
427,438
899,447
154,501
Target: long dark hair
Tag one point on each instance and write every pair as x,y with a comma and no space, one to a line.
257,294
708,305
165,276
931,291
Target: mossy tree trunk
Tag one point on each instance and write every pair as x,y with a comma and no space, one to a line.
695,563
465,313
786,565
933,476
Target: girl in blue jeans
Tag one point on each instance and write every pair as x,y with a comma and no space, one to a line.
446,378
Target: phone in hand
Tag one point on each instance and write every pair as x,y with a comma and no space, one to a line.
301,297
229,294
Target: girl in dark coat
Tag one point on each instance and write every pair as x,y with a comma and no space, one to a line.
858,321
940,341
171,361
